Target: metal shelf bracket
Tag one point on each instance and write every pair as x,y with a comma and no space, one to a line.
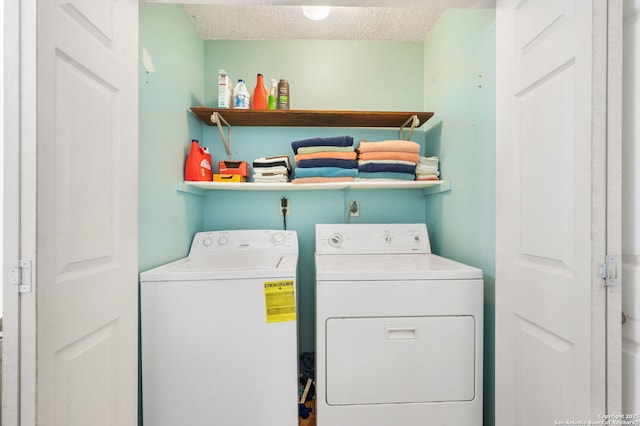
415,122
218,120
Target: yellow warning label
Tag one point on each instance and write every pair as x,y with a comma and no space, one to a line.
280,300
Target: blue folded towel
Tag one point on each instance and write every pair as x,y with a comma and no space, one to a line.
328,162
386,175
333,141
385,167
301,172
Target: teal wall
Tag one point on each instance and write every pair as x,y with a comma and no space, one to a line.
356,75
460,84
167,219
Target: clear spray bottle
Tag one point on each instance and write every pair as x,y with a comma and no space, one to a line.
273,95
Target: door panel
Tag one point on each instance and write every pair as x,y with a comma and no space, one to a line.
86,264
551,211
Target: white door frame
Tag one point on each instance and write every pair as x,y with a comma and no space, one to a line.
18,380
615,20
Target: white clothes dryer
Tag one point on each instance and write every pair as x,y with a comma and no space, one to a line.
219,334
399,330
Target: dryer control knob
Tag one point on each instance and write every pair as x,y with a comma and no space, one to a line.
223,240
278,238
335,240
207,242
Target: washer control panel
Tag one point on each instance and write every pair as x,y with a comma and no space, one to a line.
244,240
372,238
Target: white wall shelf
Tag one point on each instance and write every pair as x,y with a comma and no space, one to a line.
197,187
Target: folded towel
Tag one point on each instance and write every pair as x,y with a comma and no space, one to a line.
274,169
436,173
392,145
325,154
389,155
398,168
312,149
434,160
386,176
301,172
328,162
422,167
333,141
279,160
427,168
319,179
270,178
408,163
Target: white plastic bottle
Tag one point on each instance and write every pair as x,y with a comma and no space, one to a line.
241,96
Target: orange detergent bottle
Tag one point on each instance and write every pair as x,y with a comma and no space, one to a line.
198,164
260,94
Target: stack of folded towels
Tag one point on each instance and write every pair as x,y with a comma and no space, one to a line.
272,169
427,168
325,160
390,159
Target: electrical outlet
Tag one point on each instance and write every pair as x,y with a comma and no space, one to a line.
284,207
354,209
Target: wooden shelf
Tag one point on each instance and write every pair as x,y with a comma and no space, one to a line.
312,118
436,185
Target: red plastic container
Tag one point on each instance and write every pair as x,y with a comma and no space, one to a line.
198,164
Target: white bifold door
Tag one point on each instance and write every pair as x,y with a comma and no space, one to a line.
558,211
73,126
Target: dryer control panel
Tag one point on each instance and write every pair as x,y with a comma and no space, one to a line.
402,238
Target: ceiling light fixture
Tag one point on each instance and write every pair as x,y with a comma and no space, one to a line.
316,13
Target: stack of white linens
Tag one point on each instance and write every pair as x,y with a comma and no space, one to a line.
428,168
389,159
331,159
272,169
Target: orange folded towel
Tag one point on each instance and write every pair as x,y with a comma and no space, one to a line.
392,145
320,179
326,154
390,155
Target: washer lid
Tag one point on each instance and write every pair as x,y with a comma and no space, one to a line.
209,267
385,267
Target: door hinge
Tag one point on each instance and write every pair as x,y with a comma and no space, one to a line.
21,276
609,270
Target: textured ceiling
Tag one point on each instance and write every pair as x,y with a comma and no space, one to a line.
266,22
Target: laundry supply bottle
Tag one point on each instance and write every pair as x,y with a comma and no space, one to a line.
241,97
273,94
283,94
207,164
198,164
260,94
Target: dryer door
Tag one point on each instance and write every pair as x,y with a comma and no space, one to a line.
385,360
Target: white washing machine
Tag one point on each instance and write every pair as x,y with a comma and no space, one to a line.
219,334
399,330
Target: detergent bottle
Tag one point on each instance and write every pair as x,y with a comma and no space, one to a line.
198,164
260,94
241,96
